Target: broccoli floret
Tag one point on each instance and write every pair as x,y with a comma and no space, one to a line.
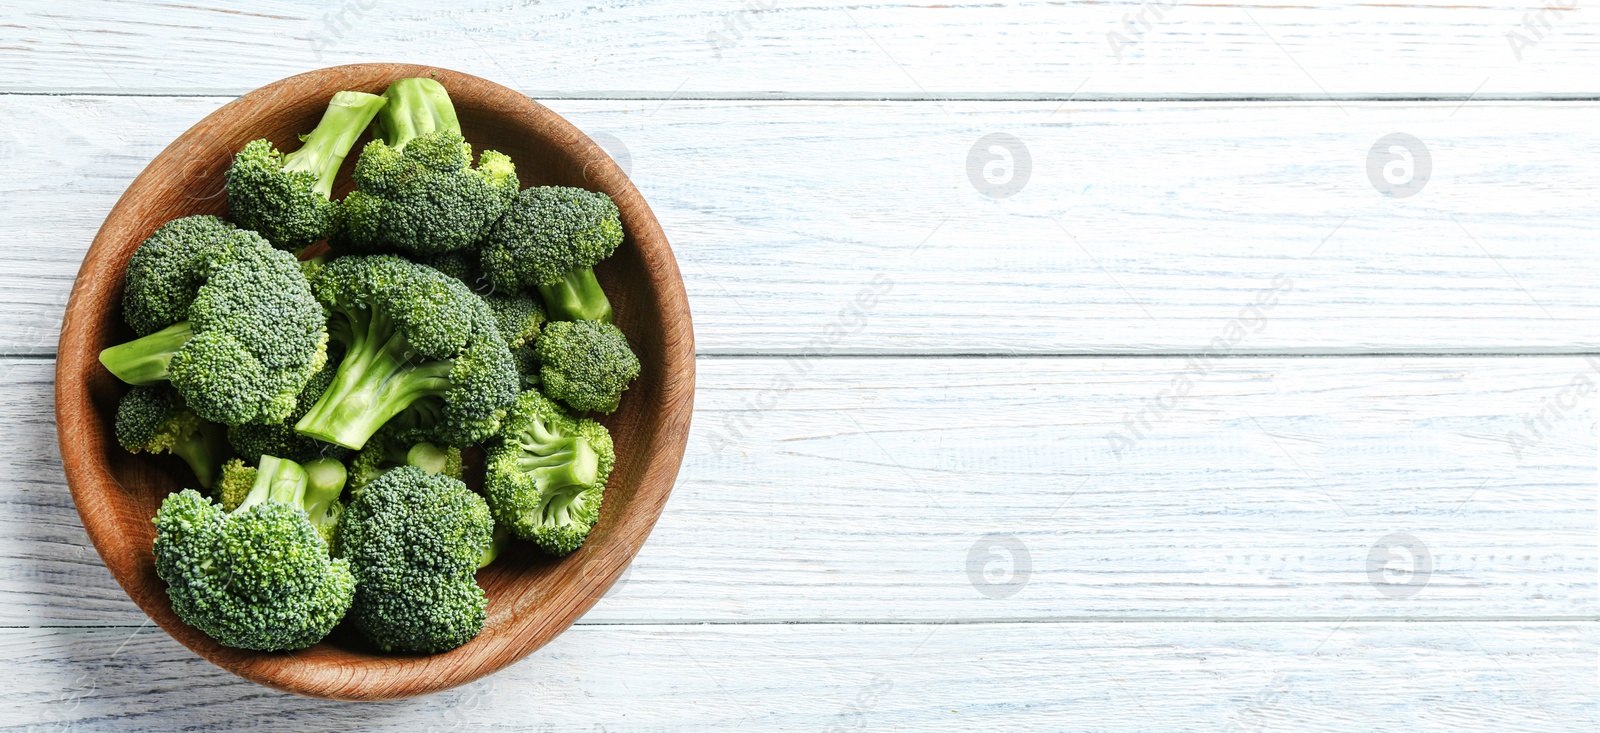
238,478
416,189
546,474
411,334
227,319
252,441
586,364
153,419
414,540
287,197
260,576
550,239
518,318
395,446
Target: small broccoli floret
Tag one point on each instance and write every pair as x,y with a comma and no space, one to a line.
258,577
586,364
518,318
395,446
414,540
287,197
416,189
237,480
227,319
154,419
411,335
550,239
546,474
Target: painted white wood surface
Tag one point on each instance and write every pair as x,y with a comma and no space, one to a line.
871,490
1315,677
899,47
1144,227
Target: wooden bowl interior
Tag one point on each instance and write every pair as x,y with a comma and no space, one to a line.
531,597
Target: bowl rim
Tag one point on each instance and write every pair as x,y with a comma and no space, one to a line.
93,486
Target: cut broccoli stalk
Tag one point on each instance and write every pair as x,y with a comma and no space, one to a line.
577,296
145,360
313,487
555,461
203,450
416,107
325,148
380,377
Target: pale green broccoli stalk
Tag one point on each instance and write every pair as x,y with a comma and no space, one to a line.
287,198
394,446
227,319
549,240
586,364
153,419
546,473
416,189
252,441
414,540
259,577
411,334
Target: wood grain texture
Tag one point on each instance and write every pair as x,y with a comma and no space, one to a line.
784,214
607,47
531,599
860,494
1326,677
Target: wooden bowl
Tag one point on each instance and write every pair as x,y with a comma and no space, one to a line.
531,598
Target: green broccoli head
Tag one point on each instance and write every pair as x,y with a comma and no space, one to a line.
414,540
397,444
287,197
252,441
249,333
586,364
425,199
546,474
259,577
411,335
549,240
153,419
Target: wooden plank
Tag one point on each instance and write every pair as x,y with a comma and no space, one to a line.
1313,677
877,489
901,47
845,228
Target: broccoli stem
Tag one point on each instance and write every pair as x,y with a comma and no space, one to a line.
379,378
325,478
428,457
577,296
145,360
416,107
325,148
497,544
203,451
561,461
277,480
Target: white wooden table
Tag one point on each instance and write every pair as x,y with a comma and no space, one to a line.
1186,426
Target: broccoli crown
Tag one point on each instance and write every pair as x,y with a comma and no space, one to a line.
414,540
411,334
253,333
252,441
257,578
586,364
517,316
282,205
546,474
548,232
153,419
286,197
425,199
